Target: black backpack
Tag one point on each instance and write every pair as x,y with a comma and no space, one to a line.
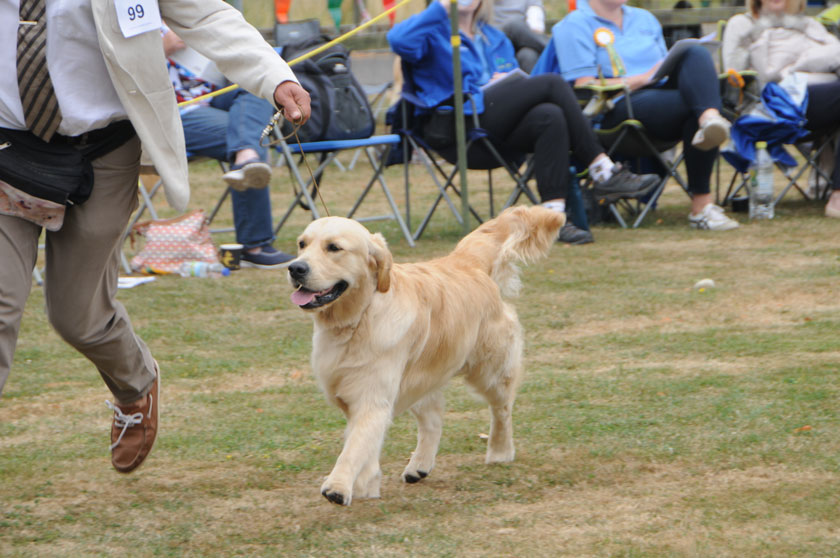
340,109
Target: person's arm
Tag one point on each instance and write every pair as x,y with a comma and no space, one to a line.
817,31
578,55
733,46
632,82
409,39
172,43
219,32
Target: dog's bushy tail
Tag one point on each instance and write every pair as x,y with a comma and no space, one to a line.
519,234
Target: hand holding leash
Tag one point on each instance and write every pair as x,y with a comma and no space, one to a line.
293,100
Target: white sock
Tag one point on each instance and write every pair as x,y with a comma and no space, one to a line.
602,169
556,205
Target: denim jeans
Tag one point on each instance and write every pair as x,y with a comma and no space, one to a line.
232,122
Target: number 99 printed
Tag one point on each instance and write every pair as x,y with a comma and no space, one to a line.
135,12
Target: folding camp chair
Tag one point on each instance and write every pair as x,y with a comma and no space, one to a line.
628,141
779,121
327,151
830,18
810,149
520,169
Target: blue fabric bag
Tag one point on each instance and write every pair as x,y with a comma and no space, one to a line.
778,120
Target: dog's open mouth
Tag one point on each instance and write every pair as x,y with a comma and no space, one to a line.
313,299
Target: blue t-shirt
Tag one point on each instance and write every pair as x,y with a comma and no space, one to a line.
639,43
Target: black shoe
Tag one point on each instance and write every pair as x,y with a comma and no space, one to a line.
625,184
570,234
267,258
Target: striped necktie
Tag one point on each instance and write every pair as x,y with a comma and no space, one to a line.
40,106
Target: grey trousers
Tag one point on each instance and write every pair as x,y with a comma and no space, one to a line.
80,285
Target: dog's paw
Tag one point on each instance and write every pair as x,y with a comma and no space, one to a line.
335,498
499,456
336,494
368,486
414,476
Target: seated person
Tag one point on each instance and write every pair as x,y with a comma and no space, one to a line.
228,127
686,106
541,116
775,38
523,21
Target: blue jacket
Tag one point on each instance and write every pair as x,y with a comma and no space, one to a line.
547,62
780,120
423,43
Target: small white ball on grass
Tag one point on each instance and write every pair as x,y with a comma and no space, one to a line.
704,284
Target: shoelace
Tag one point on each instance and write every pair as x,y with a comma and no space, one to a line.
124,421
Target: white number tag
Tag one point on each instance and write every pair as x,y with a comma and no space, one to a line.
137,16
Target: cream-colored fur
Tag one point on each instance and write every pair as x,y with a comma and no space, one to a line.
399,332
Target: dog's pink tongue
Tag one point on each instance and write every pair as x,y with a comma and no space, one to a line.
302,298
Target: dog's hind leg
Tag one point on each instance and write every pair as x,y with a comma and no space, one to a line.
500,443
496,377
429,414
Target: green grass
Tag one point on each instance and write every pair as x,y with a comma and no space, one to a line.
654,420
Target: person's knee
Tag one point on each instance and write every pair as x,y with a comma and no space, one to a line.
527,59
697,55
561,92
68,328
76,326
515,29
548,117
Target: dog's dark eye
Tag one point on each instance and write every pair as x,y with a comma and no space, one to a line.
301,244
333,247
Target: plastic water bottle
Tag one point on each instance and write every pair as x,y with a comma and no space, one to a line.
203,269
761,184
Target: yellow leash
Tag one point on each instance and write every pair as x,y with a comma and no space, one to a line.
278,116
307,55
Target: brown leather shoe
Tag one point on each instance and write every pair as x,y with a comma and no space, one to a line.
134,430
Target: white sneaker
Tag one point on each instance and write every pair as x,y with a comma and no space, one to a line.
713,133
253,174
711,218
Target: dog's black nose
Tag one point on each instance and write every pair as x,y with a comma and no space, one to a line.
298,270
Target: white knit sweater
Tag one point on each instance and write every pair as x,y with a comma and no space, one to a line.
776,46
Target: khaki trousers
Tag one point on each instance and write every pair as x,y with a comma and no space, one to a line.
80,285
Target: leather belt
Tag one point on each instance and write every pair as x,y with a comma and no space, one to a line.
94,137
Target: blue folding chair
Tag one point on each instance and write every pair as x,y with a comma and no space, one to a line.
328,150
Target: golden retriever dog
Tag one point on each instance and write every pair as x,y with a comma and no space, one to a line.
388,337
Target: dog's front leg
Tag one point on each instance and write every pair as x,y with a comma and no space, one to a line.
369,479
366,427
429,414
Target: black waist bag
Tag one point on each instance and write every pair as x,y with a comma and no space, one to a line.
56,172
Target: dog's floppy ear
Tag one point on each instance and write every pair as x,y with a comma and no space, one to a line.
382,256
